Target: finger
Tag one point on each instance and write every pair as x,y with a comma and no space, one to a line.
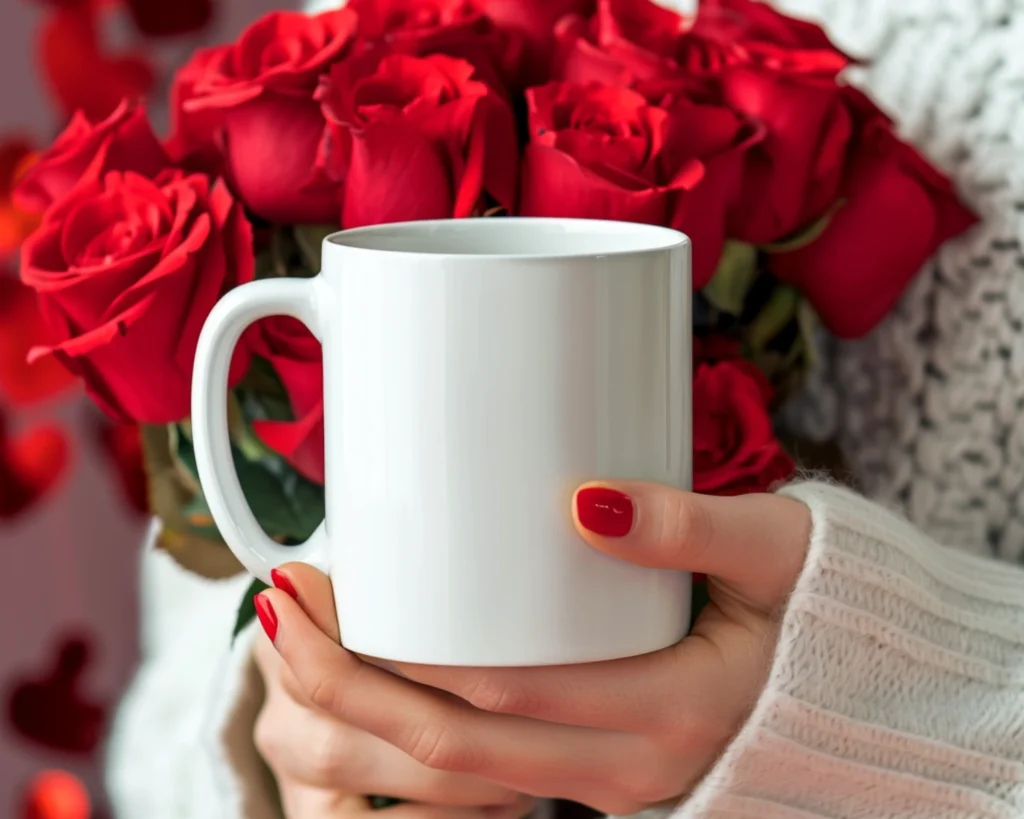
620,695
302,745
276,673
312,590
756,542
300,801
437,730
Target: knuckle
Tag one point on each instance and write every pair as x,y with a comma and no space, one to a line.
267,737
494,695
689,734
435,745
686,529
651,779
327,694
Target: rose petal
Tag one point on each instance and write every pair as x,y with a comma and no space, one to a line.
86,150
271,145
300,442
555,184
897,212
396,175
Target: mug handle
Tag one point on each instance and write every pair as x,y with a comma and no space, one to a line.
301,299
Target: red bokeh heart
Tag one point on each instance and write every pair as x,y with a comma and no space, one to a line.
79,69
21,329
31,465
50,709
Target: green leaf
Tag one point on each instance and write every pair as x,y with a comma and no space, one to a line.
269,501
310,240
247,610
307,501
807,320
806,235
181,446
264,492
773,318
736,272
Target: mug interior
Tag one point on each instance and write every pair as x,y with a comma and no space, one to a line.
511,237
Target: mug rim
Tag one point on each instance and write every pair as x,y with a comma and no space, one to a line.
662,238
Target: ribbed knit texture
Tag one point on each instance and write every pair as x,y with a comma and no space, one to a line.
897,688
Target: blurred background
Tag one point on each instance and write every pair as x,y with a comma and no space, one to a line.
70,487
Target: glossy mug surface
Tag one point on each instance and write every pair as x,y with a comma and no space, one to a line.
475,372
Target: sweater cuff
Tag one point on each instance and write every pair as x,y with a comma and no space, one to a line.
182,740
897,687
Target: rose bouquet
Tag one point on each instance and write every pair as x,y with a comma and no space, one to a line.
734,126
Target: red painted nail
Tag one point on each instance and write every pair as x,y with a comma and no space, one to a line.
281,581
604,511
265,612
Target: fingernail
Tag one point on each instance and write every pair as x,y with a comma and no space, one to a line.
604,511
281,581
267,616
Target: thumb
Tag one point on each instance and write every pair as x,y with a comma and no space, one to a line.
755,543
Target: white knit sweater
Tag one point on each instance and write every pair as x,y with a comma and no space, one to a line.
897,688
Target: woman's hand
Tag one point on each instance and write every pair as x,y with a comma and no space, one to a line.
618,736
325,768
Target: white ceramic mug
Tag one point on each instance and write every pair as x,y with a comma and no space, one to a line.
477,371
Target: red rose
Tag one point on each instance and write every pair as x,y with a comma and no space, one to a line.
458,28
624,42
532,22
420,26
252,102
296,357
127,270
897,210
416,138
794,176
767,37
87,150
734,446
32,464
610,153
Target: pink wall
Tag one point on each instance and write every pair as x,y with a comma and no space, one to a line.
71,564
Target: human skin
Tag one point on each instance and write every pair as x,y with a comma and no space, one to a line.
619,736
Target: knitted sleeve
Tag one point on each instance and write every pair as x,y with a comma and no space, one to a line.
182,740
897,687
